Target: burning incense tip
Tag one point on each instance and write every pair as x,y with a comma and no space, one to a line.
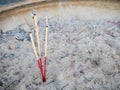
33,12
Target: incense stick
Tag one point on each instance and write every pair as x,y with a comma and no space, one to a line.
39,60
37,34
45,57
46,37
33,44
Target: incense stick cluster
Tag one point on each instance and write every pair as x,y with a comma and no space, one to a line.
37,48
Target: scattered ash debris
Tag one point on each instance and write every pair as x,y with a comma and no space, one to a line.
19,34
8,55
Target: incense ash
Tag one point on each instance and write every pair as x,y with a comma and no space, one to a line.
76,47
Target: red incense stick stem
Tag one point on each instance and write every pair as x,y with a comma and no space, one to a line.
40,66
45,68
